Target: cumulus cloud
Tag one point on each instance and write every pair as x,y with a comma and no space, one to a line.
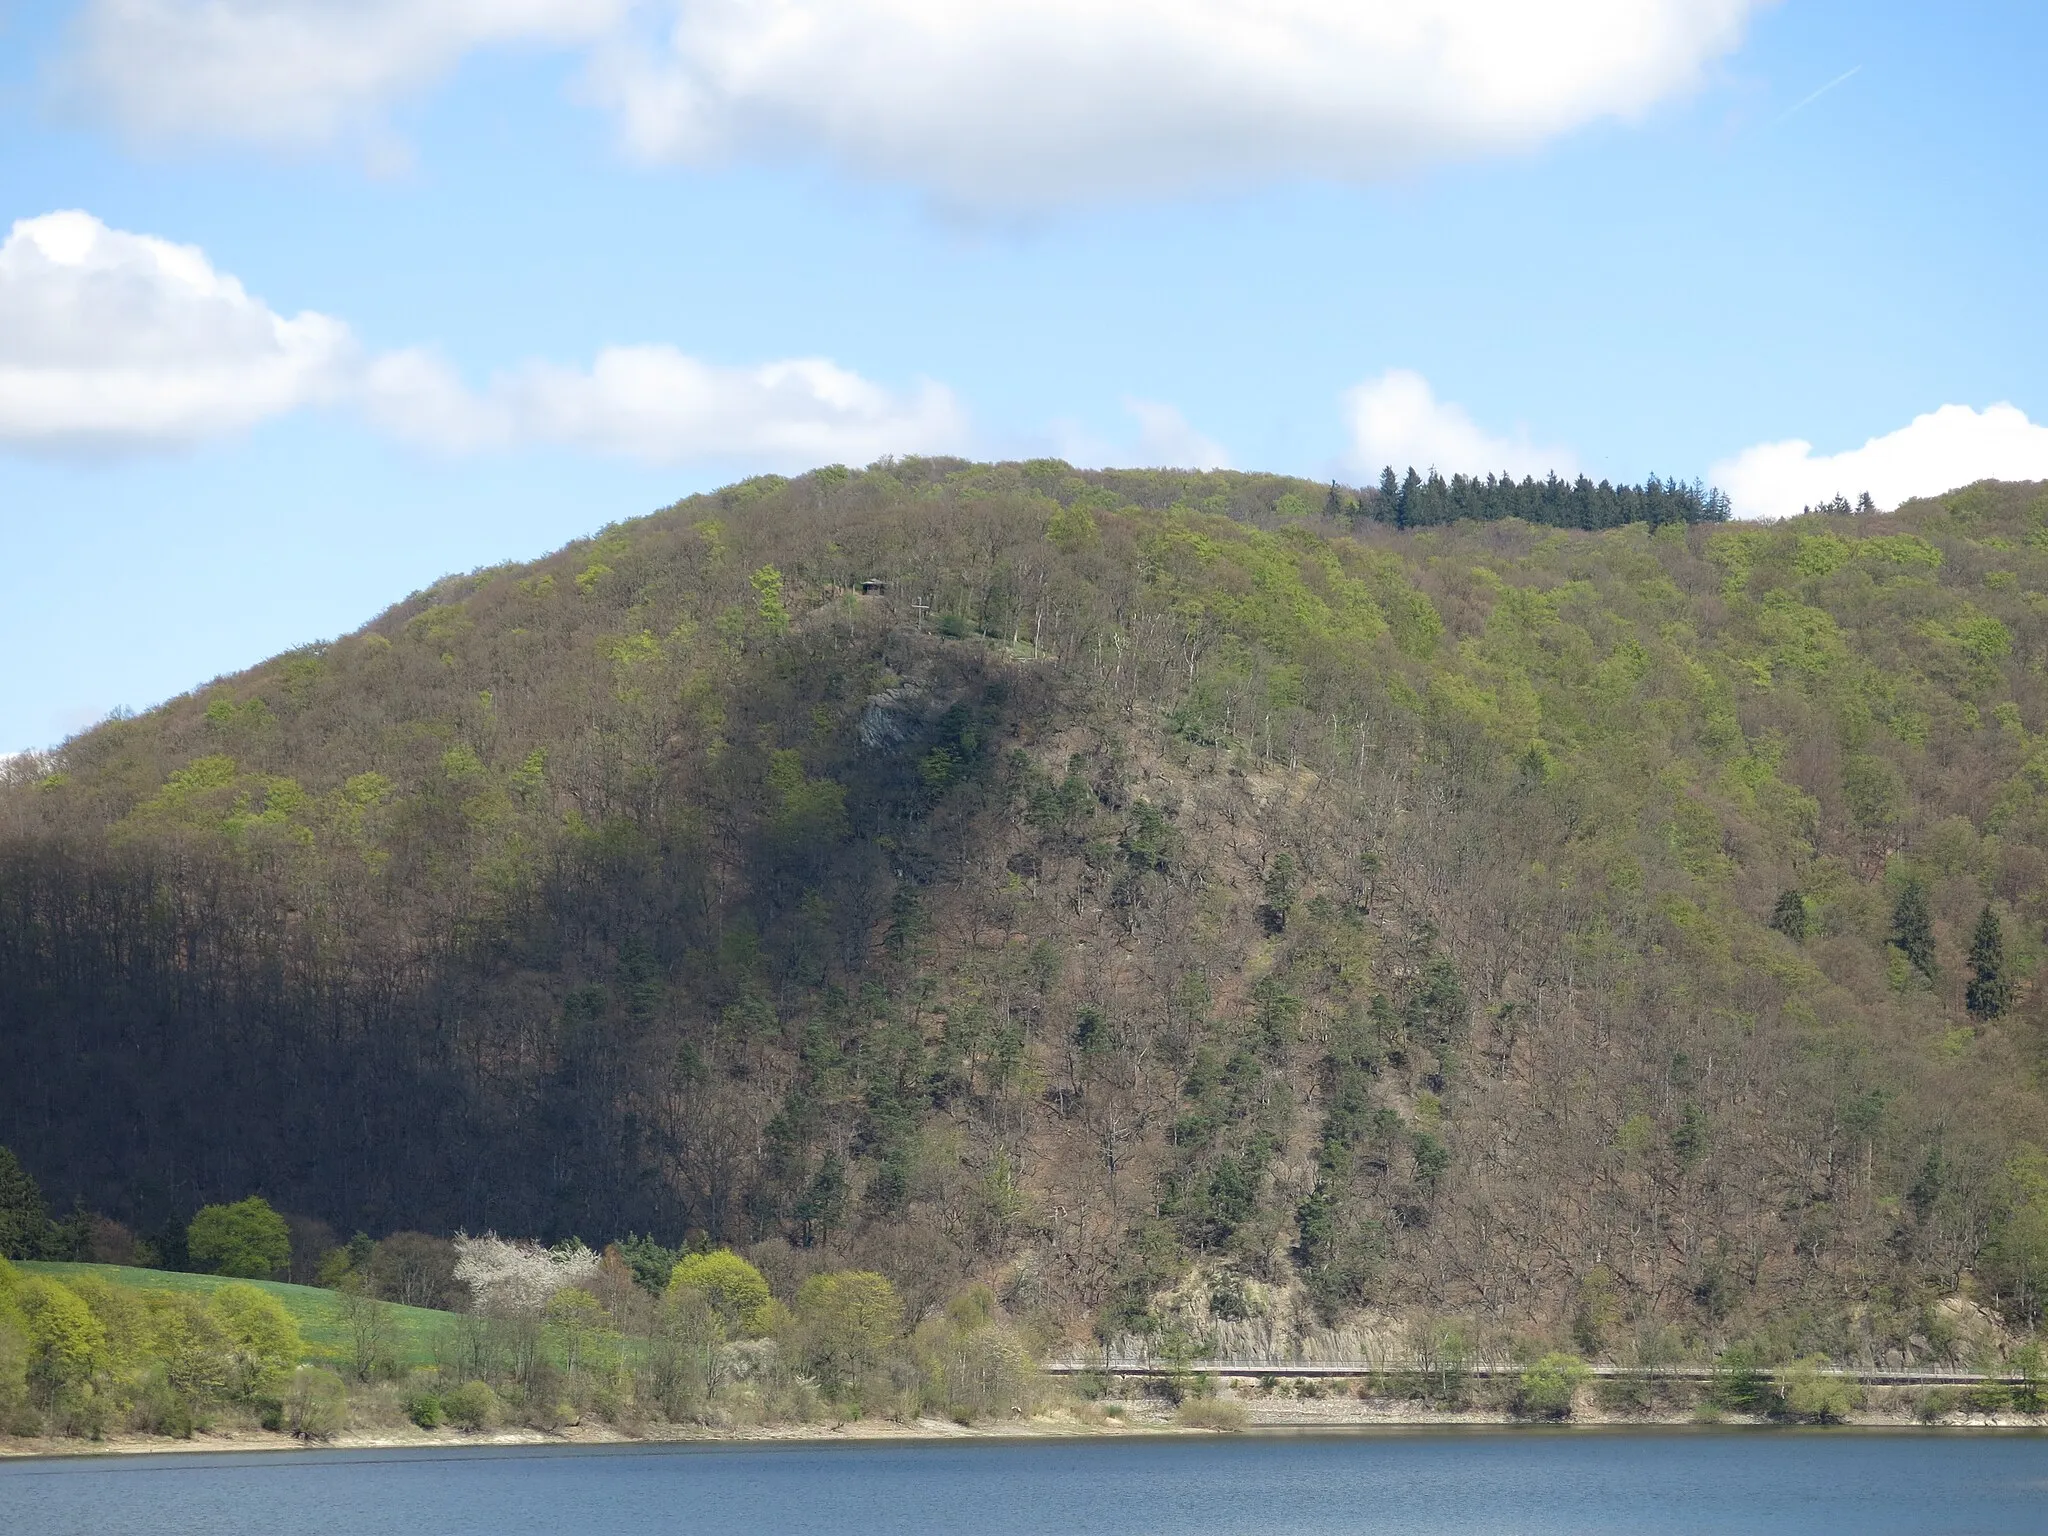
1397,419
655,404
997,105
111,340
1165,439
294,72
1937,452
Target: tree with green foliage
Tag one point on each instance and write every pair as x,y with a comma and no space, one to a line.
262,1338
24,1219
189,1341
845,1324
1789,915
1913,926
651,1263
767,585
247,1239
2015,1260
66,1342
733,1288
582,1334
1989,992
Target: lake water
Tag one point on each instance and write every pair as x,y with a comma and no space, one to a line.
1524,1483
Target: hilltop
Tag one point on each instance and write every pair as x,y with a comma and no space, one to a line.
1184,900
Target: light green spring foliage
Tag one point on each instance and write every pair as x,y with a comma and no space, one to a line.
971,1364
1550,1384
767,585
846,1322
247,1239
123,1349
583,1335
264,1341
736,1290
66,1343
1813,1394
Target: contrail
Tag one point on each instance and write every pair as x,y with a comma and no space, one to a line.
1805,102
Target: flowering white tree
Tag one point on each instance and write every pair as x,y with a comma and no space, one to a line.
516,1278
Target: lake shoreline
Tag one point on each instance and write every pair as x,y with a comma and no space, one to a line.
1138,1421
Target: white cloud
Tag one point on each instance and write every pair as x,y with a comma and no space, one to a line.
1009,104
294,72
1397,419
1000,105
1937,452
1165,439
655,404
109,338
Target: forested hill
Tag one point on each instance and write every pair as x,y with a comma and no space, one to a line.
1104,884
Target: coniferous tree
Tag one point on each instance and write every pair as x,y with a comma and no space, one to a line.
1390,495
1990,990
1788,916
24,1220
1913,927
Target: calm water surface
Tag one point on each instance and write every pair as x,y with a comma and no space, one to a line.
1524,1483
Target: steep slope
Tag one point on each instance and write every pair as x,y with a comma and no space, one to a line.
1078,877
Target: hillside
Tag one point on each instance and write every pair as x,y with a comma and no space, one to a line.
1087,881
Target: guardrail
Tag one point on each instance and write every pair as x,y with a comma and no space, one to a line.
1876,1377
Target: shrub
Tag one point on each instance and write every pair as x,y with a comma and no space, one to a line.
1936,1404
473,1406
1217,1413
736,1290
316,1404
247,1239
1550,1384
1988,1398
2027,1396
161,1409
1813,1395
425,1408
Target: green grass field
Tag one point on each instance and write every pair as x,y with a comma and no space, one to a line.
317,1312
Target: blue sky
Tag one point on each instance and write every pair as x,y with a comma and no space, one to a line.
1103,239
